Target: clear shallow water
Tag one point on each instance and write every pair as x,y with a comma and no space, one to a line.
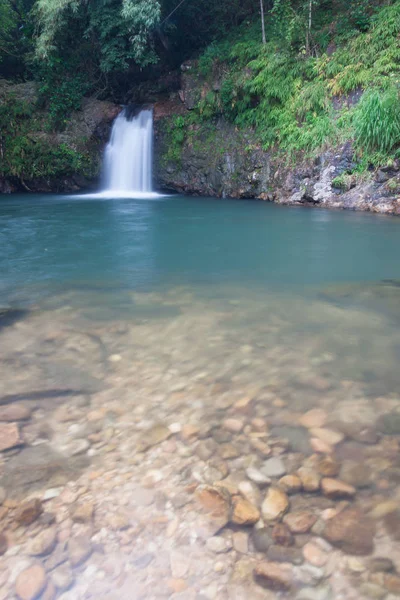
180,312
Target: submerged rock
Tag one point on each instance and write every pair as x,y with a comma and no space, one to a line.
273,576
275,505
352,531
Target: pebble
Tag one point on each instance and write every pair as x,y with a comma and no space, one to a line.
316,417
273,576
309,478
29,511
285,554
9,436
31,582
273,467
79,550
355,565
62,578
380,564
153,436
333,488
321,447
291,484
50,592
233,425
216,503
300,522
356,474
314,555
275,505
43,543
218,544
240,541
244,512
257,477
352,531
83,513
281,535
328,467
250,492
179,565
261,539
321,592
15,412
392,583
118,521
51,493
327,435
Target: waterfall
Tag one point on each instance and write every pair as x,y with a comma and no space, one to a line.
128,157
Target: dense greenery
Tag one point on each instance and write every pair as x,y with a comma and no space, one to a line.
300,101
295,77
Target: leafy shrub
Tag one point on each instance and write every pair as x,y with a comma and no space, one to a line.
377,121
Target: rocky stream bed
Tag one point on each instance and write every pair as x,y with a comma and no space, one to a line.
200,449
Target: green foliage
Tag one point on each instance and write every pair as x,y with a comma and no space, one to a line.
377,120
27,154
176,130
301,103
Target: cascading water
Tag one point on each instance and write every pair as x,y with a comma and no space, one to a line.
128,157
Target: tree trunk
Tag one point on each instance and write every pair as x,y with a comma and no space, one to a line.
264,39
308,36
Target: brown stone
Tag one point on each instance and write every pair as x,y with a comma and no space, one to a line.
291,484
216,503
327,435
310,479
244,512
153,436
392,583
328,467
333,488
28,512
352,531
14,412
30,583
281,535
43,543
300,522
285,554
83,513
273,576
392,524
9,436
316,417
275,505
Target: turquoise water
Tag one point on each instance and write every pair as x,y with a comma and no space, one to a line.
53,242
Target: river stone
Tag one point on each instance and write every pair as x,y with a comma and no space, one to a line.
328,467
15,412
285,554
392,524
31,582
244,512
261,539
300,522
273,467
216,503
83,512
281,535
392,583
28,512
153,436
381,564
321,592
327,435
291,484
79,550
352,531
273,576
43,543
371,590
49,592
389,423
309,478
62,578
218,544
316,417
9,436
257,477
250,492
333,488
275,505
37,467
297,437
356,474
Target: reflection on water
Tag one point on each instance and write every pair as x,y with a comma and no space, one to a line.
174,344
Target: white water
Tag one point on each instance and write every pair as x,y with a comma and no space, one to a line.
128,158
